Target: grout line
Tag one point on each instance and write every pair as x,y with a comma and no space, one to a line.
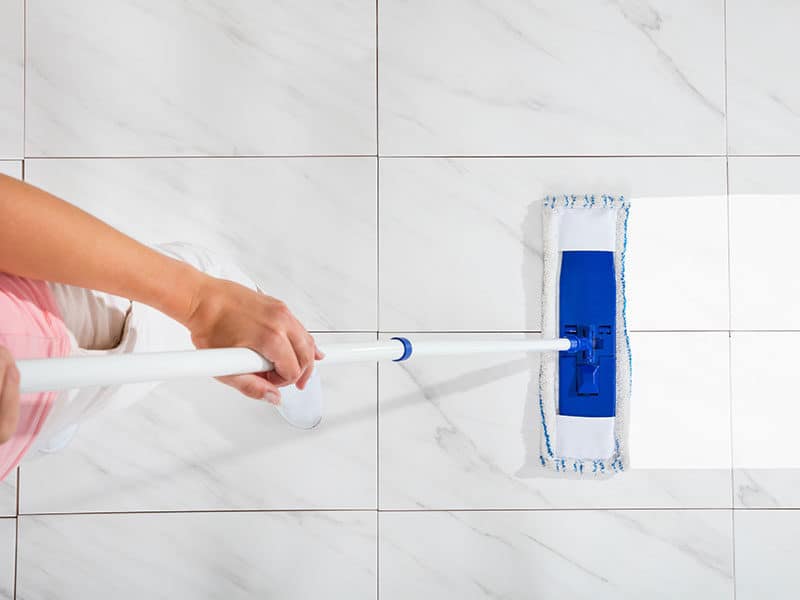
531,331
24,78
16,536
212,511
378,307
195,156
730,288
390,157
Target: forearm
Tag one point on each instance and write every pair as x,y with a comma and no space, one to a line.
43,237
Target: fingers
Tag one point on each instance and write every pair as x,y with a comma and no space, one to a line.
305,349
9,395
254,386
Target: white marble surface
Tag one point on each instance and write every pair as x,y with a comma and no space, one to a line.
766,554
8,495
121,77
296,555
11,167
477,78
766,450
8,532
460,240
303,228
199,446
456,432
764,211
763,93
573,554
11,78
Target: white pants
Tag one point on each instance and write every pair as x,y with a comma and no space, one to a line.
100,323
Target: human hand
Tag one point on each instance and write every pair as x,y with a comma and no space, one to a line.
225,314
9,395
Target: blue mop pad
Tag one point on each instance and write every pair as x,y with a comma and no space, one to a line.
584,391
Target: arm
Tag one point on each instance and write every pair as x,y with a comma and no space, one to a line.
43,237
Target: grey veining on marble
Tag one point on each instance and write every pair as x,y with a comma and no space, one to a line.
566,78
294,555
763,93
199,445
766,554
11,78
556,554
121,77
460,240
766,450
303,228
457,432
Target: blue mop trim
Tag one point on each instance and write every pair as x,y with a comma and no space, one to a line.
589,201
408,349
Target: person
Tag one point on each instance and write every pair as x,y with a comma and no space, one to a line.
71,284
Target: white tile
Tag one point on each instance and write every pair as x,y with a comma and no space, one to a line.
8,533
12,168
461,240
11,78
8,495
199,445
119,77
198,555
553,554
304,228
763,93
499,78
680,407
764,210
457,432
766,450
766,554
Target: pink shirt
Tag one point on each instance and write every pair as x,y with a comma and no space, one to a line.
30,327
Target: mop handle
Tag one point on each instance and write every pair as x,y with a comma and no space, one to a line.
51,374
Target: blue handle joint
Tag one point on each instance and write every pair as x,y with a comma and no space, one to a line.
407,349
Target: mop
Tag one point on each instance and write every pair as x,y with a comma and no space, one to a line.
584,392
584,378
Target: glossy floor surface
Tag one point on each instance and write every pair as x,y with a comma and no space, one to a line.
381,169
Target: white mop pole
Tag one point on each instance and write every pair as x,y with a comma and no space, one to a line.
53,374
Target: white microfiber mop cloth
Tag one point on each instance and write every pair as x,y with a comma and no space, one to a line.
593,447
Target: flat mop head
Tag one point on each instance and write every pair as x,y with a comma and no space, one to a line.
584,391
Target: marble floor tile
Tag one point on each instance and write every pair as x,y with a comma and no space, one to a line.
766,450
122,78
198,445
304,228
556,554
12,29
8,495
764,210
8,533
461,241
295,555
763,96
499,78
766,554
457,432
12,168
